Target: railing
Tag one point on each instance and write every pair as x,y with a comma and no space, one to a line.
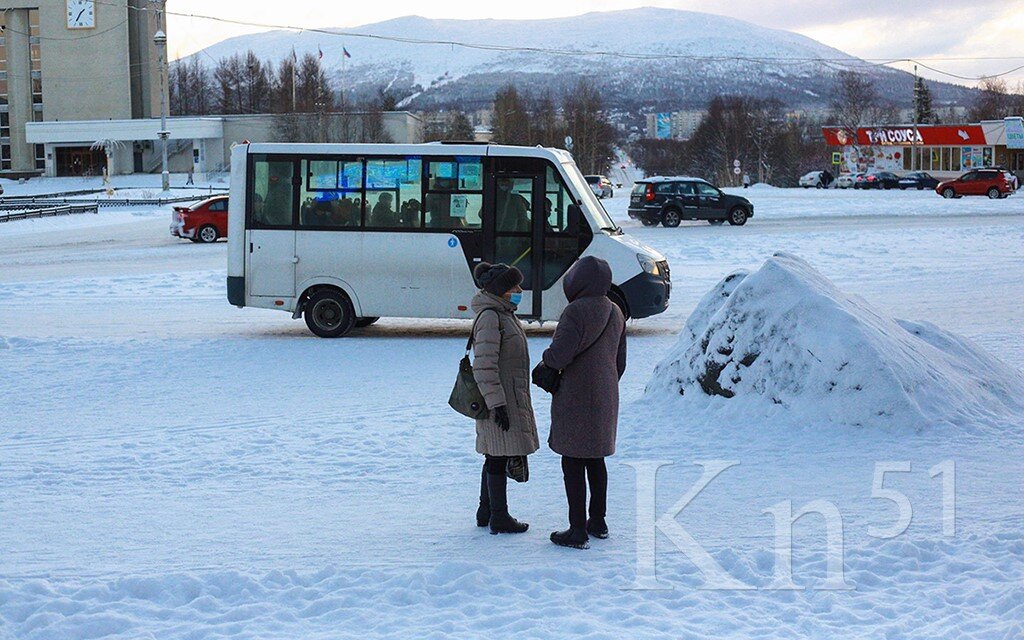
19,212
51,200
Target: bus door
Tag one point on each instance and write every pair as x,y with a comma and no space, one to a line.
270,251
514,228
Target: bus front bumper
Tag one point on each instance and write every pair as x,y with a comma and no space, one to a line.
646,294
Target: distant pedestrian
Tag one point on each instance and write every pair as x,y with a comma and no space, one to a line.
746,181
501,368
190,179
582,368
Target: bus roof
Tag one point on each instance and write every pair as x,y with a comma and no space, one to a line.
424,149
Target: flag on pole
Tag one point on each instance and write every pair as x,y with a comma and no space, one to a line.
320,52
345,52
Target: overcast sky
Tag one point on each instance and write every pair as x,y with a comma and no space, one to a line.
867,28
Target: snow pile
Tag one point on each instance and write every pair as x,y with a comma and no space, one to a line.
786,337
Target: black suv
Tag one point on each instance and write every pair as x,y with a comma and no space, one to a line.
672,200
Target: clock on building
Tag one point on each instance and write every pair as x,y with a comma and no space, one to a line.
81,14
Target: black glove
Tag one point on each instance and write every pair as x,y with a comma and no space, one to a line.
546,378
501,417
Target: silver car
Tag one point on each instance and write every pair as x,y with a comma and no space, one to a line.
601,186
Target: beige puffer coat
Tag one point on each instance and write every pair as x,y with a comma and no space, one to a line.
501,368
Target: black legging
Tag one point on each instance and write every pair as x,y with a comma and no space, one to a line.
495,464
577,472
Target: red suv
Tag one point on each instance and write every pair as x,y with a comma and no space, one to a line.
994,183
204,221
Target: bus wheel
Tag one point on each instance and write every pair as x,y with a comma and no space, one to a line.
619,301
365,322
329,313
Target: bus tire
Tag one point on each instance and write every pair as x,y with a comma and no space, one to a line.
364,322
329,313
620,301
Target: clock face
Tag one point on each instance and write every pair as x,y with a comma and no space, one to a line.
81,14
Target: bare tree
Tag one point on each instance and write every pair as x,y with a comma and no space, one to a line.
992,101
547,130
511,117
593,137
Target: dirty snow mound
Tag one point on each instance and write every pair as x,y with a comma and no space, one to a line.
786,337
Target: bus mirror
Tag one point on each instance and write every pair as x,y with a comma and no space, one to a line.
575,218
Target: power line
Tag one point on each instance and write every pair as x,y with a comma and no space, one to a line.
847,62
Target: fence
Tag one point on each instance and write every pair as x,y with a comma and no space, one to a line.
10,212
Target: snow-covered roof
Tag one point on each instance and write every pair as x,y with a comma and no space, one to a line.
671,179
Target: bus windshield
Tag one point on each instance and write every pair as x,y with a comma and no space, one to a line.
590,201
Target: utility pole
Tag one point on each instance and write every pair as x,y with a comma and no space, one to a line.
915,152
160,39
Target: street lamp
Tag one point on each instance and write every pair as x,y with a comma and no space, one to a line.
160,40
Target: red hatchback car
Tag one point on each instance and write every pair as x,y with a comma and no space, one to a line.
204,221
994,183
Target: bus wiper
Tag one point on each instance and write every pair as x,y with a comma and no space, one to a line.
615,230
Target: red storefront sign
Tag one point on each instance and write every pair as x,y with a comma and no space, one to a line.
904,135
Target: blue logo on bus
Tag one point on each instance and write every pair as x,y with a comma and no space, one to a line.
453,242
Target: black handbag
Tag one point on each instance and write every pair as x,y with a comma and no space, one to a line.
466,397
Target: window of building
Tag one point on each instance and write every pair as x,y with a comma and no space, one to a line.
454,197
40,156
272,194
332,193
394,188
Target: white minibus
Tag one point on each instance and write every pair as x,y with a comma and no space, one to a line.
343,234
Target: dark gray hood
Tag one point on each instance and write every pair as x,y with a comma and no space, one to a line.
590,276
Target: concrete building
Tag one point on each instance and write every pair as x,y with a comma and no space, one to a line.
80,93
75,60
203,144
675,125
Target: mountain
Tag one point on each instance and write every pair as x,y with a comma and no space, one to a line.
731,55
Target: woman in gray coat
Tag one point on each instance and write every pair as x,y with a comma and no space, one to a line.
589,351
501,368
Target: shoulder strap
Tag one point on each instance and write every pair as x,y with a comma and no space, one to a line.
472,331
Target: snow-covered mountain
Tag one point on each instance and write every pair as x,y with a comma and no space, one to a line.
744,58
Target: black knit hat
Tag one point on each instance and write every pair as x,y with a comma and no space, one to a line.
496,278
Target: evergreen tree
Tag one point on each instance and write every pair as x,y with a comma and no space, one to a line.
924,113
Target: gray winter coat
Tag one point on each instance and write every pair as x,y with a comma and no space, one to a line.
501,368
589,347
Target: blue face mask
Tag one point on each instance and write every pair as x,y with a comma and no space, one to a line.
516,298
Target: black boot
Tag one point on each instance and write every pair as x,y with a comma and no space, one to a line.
483,512
501,521
571,537
597,528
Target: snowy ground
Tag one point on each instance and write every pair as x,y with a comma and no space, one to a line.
175,467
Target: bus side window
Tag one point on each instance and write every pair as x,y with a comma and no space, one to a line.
272,193
454,197
331,193
393,192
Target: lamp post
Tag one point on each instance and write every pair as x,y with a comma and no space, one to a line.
160,39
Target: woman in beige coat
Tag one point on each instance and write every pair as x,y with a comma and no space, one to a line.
501,368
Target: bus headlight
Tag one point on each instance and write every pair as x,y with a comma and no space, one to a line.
648,264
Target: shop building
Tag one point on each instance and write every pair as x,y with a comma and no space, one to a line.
945,150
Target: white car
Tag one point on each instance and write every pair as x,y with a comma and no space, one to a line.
600,185
847,180
816,179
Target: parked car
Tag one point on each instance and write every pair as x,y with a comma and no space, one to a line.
817,179
670,200
847,180
993,183
880,180
204,221
601,186
918,180
1,189
860,180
